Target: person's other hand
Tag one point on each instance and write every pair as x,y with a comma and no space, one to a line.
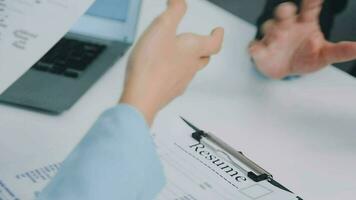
163,64
294,44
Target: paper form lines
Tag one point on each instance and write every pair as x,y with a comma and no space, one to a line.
184,170
203,182
6,193
40,174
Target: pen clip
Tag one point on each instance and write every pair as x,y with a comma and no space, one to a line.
254,171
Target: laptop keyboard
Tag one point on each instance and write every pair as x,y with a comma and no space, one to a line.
69,58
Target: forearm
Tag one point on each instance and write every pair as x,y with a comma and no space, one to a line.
115,160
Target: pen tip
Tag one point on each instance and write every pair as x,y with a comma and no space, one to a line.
189,124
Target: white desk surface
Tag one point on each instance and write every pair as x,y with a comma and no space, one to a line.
303,131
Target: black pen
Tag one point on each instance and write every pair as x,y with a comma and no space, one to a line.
257,173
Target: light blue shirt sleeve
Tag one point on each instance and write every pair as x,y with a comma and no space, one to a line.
116,160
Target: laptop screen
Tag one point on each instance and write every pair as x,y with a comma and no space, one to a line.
110,20
110,9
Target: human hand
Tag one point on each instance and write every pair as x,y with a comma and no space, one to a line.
294,44
163,64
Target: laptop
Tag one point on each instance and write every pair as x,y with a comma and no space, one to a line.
100,37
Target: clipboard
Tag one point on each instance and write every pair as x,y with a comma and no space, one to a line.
252,169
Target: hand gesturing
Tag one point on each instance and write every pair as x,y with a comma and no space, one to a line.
163,63
294,43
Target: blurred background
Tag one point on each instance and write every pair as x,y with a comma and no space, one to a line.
344,29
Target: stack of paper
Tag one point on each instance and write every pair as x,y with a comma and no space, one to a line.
29,28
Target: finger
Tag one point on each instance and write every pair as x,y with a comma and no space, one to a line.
256,46
257,50
339,52
210,45
174,14
286,12
261,55
310,10
267,26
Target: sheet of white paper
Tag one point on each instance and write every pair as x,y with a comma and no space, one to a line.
193,172
19,182
29,28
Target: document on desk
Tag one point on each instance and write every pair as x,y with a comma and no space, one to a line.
18,182
29,28
192,170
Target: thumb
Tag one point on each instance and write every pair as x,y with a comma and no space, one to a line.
339,52
212,44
